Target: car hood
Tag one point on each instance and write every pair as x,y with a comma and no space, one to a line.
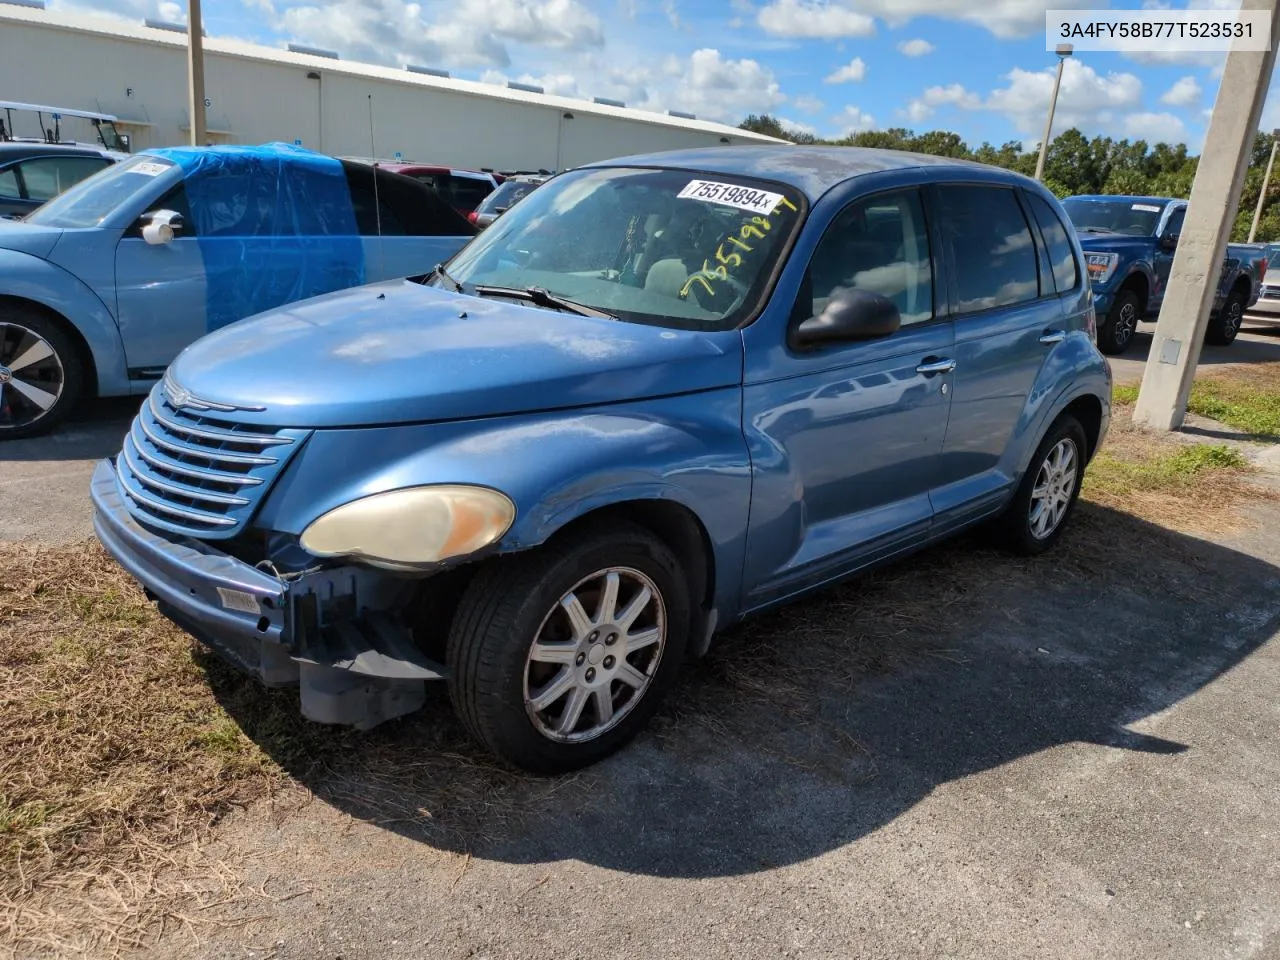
400,352
28,238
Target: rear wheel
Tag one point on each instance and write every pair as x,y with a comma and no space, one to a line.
558,657
1049,490
40,373
1225,324
1117,330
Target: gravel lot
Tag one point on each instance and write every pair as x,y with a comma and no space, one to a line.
1076,757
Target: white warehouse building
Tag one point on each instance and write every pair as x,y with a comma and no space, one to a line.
256,94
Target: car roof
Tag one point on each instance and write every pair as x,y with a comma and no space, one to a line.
21,149
812,170
1126,199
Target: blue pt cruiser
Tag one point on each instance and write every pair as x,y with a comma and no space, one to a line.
661,394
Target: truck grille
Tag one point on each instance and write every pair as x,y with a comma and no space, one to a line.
196,475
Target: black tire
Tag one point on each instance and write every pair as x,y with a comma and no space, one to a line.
1225,324
1017,527
1116,332
513,601
60,373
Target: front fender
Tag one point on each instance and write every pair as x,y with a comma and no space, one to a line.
556,467
49,285
1074,369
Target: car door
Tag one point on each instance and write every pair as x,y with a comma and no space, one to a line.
161,289
1008,317
1163,259
845,439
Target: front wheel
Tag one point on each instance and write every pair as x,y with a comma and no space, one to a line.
1225,324
1121,323
40,374
558,657
1036,518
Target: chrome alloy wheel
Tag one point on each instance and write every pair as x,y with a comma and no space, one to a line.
31,376
1055,486
586,671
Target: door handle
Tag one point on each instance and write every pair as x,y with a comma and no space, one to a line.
1053,336
930,367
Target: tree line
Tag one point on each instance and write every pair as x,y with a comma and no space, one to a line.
1075,164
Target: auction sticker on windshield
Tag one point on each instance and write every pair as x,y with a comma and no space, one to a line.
1145,208
149,169
731,195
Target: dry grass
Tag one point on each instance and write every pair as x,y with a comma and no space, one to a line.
121,743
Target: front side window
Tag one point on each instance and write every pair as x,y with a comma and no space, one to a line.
1174,227
9,183
94,199
1130,218
667,247
46,177
1066,273
991,247
879,244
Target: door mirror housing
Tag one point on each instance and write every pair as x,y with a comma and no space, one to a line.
850,315
1169,242
162,227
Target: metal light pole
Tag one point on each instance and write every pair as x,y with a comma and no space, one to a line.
1063,51
1266,179
195,73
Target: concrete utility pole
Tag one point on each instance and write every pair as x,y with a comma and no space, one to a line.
195,73
1266,179
1215,198
1064,50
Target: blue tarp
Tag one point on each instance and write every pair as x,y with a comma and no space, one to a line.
274,224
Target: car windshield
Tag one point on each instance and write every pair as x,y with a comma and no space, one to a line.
1133,218
506,195
95,198
694,251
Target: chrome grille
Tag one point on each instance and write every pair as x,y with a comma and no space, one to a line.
196,475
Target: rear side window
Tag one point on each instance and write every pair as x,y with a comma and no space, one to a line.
1066,273
8,183
991,246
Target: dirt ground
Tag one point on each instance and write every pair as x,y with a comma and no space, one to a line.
962,756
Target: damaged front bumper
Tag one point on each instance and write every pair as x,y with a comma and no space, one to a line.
333,631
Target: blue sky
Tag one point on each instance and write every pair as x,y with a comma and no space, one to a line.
828,66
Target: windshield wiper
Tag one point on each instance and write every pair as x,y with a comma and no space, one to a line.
440,271
540,297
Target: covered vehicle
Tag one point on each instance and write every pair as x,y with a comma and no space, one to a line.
101,287
660,394
1130,243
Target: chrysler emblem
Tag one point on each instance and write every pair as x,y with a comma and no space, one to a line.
178,398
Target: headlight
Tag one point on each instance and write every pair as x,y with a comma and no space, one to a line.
412,527
1101,266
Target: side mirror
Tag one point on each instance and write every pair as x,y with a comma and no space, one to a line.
1169,242
161,227
851,314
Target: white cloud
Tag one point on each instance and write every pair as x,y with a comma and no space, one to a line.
1154,127
806,103
1004,18
921,108
855,71
1185,93
852,120
798,126
132,9
710,86
814,18
473,34
916,48
1087,99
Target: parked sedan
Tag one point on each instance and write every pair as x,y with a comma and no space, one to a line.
31,173
669,392
103,286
